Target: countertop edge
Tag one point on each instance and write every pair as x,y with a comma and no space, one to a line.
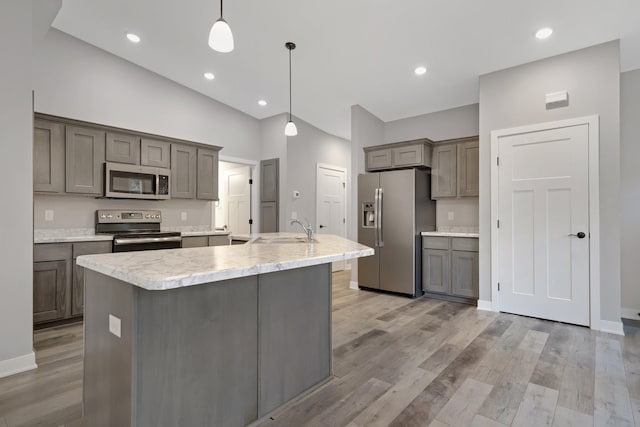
449,234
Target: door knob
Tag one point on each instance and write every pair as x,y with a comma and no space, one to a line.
322,226
580,235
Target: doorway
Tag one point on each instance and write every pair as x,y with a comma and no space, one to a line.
331,204
544,209
233,209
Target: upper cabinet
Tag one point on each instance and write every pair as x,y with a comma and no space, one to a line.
123,148
155,153
48,157
207,181
399,155
455,169
183,171
84,153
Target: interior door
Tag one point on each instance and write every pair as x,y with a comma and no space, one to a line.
543,235
368,267
238,191
330,204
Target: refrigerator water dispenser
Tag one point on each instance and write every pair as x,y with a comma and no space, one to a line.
368,215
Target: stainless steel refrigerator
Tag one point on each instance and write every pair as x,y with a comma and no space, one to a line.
394,207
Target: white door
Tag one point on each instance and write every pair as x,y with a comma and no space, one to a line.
330,203
543,203
238,192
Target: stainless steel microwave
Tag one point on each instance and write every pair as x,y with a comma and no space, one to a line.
136,182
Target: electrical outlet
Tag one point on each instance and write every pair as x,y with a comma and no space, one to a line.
48,215
115,325
183,216
294,215
450,216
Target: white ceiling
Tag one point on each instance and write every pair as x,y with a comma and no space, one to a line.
349,51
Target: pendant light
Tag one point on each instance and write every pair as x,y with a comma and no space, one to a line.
220,36
290,129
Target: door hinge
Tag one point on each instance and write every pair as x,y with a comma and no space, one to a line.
344,220
344,185
497,161
250,222
250,181
498,286
498,223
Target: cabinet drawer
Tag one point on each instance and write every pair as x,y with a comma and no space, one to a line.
51,251
90,248
195,242
219,240
432,242
464,244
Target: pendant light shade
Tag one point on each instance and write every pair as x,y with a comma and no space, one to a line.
220,36
290,129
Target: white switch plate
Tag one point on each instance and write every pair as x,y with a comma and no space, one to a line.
48,215
294,215
183,216
450,216
114,325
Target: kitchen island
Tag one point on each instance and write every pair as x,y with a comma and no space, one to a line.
215,336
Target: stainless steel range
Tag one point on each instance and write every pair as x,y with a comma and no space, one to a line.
136,230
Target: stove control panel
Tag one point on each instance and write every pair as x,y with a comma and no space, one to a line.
111,216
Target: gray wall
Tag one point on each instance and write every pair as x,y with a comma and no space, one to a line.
447,124
16,166
630,191
76,80
515,97
310,147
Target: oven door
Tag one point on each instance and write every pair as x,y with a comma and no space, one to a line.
129,244
135,182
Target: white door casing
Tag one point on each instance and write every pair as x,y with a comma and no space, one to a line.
330,203
543,191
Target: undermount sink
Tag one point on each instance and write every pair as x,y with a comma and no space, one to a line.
280,240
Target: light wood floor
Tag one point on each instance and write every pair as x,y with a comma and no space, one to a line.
403,362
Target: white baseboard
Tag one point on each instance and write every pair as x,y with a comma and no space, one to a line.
485,305
630,313
353,284
18,364
611,327
348,266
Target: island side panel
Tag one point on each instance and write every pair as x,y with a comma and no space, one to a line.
295,333
107,395
197,355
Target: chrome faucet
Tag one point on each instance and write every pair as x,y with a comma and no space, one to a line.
307,229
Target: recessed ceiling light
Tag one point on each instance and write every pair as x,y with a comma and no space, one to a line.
543,33
209,76
420,71
262,103
133,38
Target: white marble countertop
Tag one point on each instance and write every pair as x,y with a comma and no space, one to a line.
449,234
175,268
68,235
205,233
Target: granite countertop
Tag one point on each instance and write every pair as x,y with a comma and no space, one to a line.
70,235
175,268
205,233
449,234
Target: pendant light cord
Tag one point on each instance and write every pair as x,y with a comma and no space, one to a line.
221,1
289,84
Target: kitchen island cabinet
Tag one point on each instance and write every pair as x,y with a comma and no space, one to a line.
215,336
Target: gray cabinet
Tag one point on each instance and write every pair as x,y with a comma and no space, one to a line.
183,171
155,153
269,217
398,155
195,242
450,268
207,180
51,281
123,148
48,157
77,282
269,195
84,153
219,240
468,169
455,171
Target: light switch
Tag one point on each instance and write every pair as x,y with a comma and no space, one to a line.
183,216
114,325
294,215
48,215
450,216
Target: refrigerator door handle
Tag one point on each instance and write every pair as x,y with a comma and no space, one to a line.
375,215
380,210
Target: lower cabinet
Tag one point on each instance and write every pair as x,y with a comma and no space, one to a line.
58,282
450,267
204,241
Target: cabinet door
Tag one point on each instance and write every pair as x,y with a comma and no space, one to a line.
268,217
207,182
409,155
465,274
183,172
155,153
436,269
468,169
84,160
195,242
218,240
122,148
269,176
49,290
77,284
378,159
443,172
48,157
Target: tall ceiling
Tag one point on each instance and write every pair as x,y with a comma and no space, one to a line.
349,51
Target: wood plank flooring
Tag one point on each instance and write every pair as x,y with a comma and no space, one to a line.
403,362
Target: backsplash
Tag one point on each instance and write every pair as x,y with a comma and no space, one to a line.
71,212
465,213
